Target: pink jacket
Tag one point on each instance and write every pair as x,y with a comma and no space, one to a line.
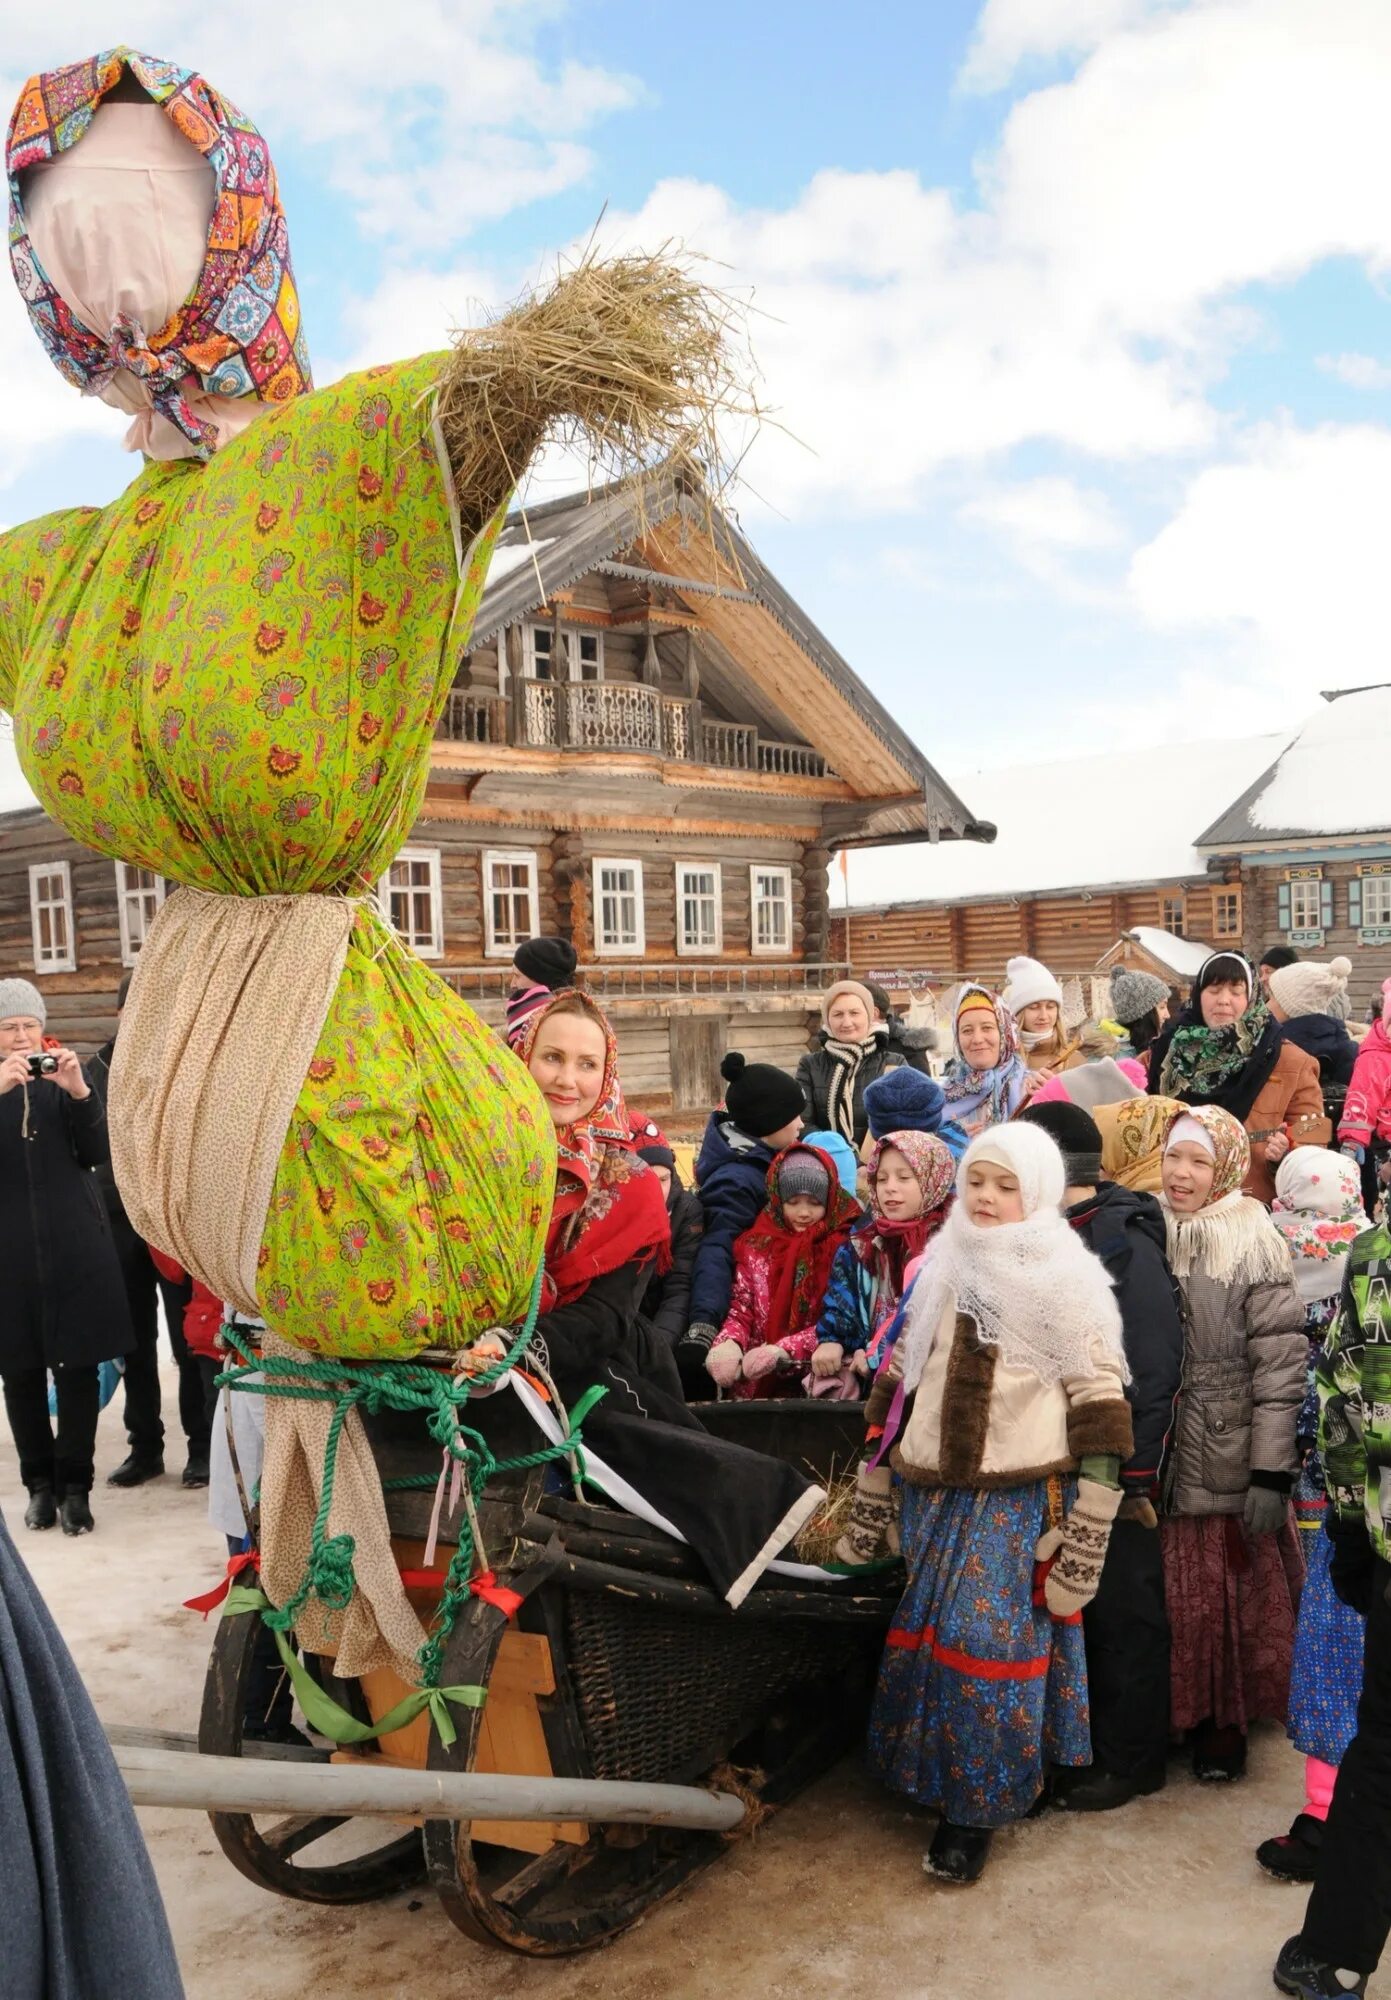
1367,1112
746,1322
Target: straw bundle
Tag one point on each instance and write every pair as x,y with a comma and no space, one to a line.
817,1541
630,358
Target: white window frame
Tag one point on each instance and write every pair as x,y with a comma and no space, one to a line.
638,944
756,869
684,948
1310,886
570,637
47,871
509,857
1375,888
133,911
431,856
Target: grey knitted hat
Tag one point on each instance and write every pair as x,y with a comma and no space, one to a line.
1135,994
19,1001
801,1173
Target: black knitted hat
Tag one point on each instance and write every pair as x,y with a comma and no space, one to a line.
760,1099
1076,1135
550,962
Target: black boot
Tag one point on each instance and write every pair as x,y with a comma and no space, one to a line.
1293,1856
75,1513
957,1853
135,1470
196,1471
42,1510
1099,1790
1306,1978
1219,1755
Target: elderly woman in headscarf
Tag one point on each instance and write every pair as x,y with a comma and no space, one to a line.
1226,1049
987,1079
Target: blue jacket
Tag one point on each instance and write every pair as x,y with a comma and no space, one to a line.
1327,1041
732,1176
849,1301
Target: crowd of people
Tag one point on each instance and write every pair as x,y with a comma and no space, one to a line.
1110,1297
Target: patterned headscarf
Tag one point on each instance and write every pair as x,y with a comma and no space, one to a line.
1231,1237
887,1248
610,1208
800,1260
981,1097
1222,1066
239,333
1318,1210
1132,1139
1230,1145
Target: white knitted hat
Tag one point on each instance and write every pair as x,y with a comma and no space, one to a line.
1027,981
1309,988
19,1001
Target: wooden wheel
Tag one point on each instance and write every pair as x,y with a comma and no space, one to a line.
316,1858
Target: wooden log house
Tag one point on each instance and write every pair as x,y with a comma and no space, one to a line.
649,749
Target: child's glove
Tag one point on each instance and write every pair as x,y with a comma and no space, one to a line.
1265,1510
828,1359
761,1361
1081,1545
871,1529
724,1362
1350,1150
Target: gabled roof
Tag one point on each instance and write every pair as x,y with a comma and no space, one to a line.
547,548
1119,820
1333,779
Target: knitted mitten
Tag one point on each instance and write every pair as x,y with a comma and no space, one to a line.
724,1362
871,1529
760,1361
1073,1579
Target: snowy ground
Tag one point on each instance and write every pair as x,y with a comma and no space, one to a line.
1161,1900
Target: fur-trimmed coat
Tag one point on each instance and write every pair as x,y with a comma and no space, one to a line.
977,1421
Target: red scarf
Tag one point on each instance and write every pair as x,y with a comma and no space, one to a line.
886,1249
800,1260
609,1208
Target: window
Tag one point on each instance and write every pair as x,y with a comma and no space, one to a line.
1305,905
772,909
1376,902
698,926
411,902
582,656
139,893
50,917
618,913
1226,913
1172,914
509,900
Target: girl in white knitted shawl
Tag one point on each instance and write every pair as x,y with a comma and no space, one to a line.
1007,1431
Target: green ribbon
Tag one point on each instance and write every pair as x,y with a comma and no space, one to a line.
328,1717
595,1393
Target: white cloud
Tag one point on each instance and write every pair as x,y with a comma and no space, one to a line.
1048,513
1010,32
1278,558
1356,371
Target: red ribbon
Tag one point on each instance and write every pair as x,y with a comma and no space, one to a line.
209,1601
485,1586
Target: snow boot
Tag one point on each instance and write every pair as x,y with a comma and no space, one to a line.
1305,1978
957,1853
75,1513
42,1510
1293,1856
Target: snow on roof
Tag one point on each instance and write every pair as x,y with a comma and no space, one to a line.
509,556
1181,955
1129,815
1336,775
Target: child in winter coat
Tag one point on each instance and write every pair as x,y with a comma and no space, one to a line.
782,1266
1318,1210
1232,1567
1364,1130
903,1100
910,1175
1007,1431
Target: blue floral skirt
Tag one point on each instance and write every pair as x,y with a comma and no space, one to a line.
978,1689
1326,1679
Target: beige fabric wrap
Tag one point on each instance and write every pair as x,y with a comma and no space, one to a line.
379,1628
224,1013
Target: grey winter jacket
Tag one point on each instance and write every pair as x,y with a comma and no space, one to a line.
1245,1357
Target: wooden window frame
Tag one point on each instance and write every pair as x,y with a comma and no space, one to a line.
757,868
62,870
126,896
684,949
638,948
1232,889
509,857
1179,896
430,855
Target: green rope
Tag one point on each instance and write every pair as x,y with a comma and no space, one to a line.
372,1386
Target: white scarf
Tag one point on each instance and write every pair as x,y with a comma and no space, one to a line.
1033,1289
1230,1238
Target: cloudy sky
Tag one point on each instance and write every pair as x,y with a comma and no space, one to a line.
1072,312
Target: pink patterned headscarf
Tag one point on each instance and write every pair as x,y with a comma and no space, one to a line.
238,332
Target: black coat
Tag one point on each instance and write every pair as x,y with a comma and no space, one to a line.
816,1069
666,1304
732,1175
1125,1229
64,1302
128,1244
1327,1041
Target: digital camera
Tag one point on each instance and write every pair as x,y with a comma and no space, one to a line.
43,1064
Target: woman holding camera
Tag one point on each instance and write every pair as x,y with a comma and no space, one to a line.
64,1305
